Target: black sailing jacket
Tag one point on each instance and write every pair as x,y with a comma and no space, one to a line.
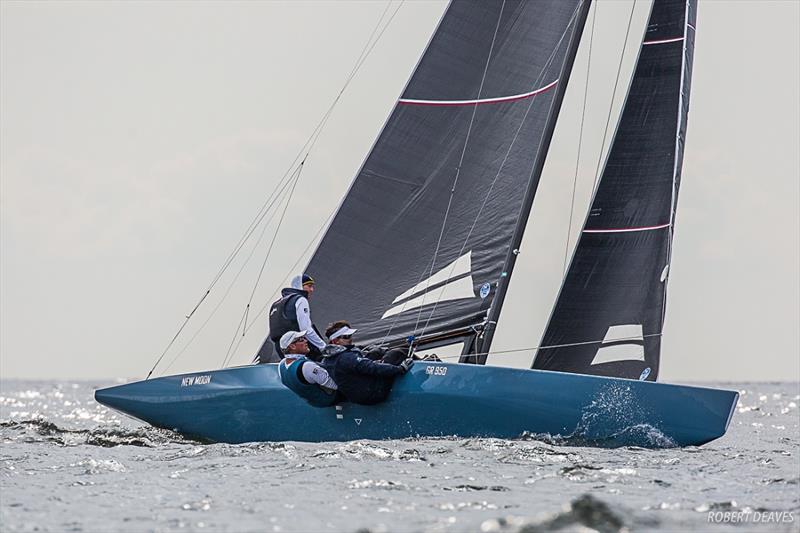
359,379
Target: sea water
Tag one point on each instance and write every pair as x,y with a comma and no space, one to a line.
70,464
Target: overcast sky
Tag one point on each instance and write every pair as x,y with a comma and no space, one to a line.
138,140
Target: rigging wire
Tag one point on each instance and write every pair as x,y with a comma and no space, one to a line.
580,140
231,284
291,271
370,44
536,82
368,47
461,160
552,346
266,259
613,95
600,155
235,335
453,188
277,230
253,226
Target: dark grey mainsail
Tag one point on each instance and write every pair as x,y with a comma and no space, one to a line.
419,244
609,315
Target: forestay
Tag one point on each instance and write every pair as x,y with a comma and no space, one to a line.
609,314
419,243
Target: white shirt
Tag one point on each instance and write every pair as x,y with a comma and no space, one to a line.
312,372
304,321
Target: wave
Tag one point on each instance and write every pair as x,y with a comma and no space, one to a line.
612,420
40,429
635,436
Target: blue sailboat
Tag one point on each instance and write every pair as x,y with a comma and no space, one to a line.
422,249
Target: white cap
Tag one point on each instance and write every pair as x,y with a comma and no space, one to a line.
289,337
341,331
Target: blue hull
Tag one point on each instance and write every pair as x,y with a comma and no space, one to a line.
246,404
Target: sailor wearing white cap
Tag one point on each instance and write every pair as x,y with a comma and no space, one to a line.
304,377
344,331
340,333
360,380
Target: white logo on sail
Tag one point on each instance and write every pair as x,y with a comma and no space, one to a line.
621,343
453,289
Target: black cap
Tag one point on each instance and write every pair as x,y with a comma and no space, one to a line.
307,279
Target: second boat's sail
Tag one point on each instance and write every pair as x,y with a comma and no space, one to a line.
418,245
609,315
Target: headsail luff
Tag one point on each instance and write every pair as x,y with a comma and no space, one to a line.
610,311
419,242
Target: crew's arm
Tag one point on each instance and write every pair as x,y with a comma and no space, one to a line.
313,373
304,321
362,365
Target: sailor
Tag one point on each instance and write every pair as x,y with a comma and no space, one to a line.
292,313
305,378
393,356
360,380
341,334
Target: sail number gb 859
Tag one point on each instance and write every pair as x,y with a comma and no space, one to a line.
434,370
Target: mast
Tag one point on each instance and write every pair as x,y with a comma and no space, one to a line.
485,339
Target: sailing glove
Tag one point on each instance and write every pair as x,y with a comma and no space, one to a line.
406,365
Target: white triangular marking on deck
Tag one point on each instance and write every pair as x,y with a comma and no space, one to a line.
358,421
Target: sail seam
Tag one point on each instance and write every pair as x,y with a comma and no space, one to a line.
480,101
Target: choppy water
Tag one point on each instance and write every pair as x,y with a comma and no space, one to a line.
69,464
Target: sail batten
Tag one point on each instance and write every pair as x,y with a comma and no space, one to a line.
619,272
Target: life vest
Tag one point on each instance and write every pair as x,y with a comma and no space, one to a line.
313,394
283,314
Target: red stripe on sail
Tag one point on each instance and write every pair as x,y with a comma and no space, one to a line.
500,99
664,41
626,230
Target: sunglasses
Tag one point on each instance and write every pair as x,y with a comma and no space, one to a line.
345,337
